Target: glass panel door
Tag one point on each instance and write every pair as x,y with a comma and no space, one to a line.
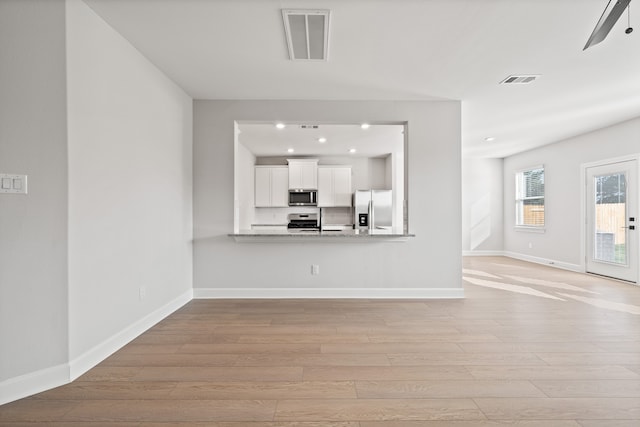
611,220
610,213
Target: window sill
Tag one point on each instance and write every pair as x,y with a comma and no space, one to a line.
526,229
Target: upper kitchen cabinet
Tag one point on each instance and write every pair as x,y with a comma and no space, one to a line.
334,186
271,186
303,174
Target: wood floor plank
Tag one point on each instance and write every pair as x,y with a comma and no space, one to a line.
560,408
620,346
171,360
272,390
377,409
608,423
530,347
276,330
185,338
35,410
476,359
445,389
190,373
71,424
603,372
386,348
110,390
258,424
433,338
589,358
303,338
324,359
172,410
150,349
249,348
344,373
110,373
474,423
589,388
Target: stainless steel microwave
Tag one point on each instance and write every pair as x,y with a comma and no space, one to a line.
300,197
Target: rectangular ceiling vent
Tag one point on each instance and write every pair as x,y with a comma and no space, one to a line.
309,126
520,79
307,33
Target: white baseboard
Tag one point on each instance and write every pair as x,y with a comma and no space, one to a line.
364,293
100,352
545,261
34,382
483,253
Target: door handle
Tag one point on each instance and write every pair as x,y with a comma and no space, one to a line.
631,227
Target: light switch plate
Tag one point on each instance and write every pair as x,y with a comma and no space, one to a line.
13,184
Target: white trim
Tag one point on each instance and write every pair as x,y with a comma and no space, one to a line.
583,199
270,293
45,379
545,261
34,382
604,162
483,253
530,229
98,353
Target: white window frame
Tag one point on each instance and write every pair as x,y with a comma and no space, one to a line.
520,198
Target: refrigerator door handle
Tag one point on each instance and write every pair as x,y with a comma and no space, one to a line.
371,215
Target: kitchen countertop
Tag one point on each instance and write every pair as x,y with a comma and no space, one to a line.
324,236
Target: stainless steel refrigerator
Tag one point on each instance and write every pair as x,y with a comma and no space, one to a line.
373,209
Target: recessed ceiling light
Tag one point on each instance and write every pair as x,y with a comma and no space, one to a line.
490,138
322,140
280,125
365,126
290,150
352,150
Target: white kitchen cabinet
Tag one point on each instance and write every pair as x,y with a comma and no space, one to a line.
334,186
303,174
280,187
342,186
325,186
263,187
271,186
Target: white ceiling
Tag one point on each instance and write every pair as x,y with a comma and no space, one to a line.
376,141
405,50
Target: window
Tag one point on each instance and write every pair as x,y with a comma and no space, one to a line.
530,197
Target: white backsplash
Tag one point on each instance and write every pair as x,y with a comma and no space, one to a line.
275,216
339,216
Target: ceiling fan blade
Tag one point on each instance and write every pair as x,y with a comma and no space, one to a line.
608,19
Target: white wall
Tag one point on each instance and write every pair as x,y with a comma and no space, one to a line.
395,168
245,176
130,186
561,242
482,206
430,261
33,227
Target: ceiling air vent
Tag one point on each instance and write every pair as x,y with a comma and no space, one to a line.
521,79
307,33
309,126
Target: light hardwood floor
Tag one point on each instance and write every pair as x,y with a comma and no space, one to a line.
530,345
